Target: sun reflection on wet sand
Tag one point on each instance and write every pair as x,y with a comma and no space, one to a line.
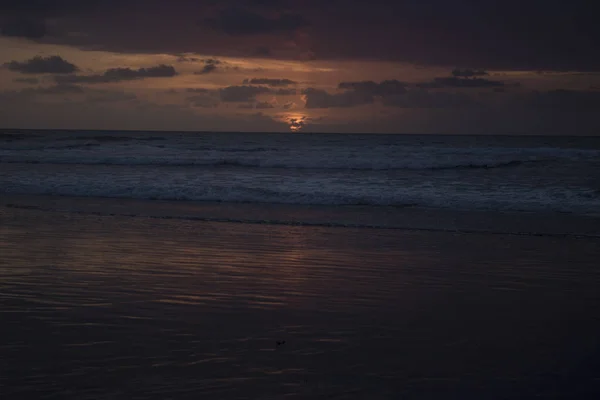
93,304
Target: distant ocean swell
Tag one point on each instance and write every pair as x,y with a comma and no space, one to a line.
425,165
352,158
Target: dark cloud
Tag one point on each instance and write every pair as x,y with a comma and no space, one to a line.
262,51
468,73
285,92
207,69
212,61
31,81
42,65
210,65
390,92
25,27
269,82
562,99
239,21
533,34
289,105
455,82
203,101
198,90
246,106
51,7
109,96
264,105
93,96
317,98
58,89
419,98
31,94
232,94
120,74
298,123
184,59
385,88
267,4
215,65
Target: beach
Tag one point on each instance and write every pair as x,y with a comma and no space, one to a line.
105,298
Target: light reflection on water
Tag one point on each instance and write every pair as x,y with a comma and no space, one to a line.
113,307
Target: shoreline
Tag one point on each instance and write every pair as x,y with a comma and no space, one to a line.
408,218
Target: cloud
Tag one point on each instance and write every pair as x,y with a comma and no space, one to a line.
519,35
29,28
317,98
264,105
50,7
298,123
563,99
31,81
207,69
289,105
355,94
31,94
233,94
42,65
78,113
109,96
214,65
210,65
213,61
468,73
237,21
456,82
198,90
61,89
259,105
184,59
285,92
269,82
262,51
120,74
420,98
93,95
54,90
203,101
267,4
385,88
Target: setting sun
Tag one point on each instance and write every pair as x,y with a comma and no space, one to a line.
296,121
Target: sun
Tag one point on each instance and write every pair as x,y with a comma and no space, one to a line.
296,122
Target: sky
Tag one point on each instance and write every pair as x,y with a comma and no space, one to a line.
404,66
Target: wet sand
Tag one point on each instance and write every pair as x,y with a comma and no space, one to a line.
99,307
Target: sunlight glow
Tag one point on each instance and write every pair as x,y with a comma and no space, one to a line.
296,121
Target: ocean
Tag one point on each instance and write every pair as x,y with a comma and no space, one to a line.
167,265
539,174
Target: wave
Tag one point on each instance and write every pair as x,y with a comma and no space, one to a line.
223,162
300,222
448,196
